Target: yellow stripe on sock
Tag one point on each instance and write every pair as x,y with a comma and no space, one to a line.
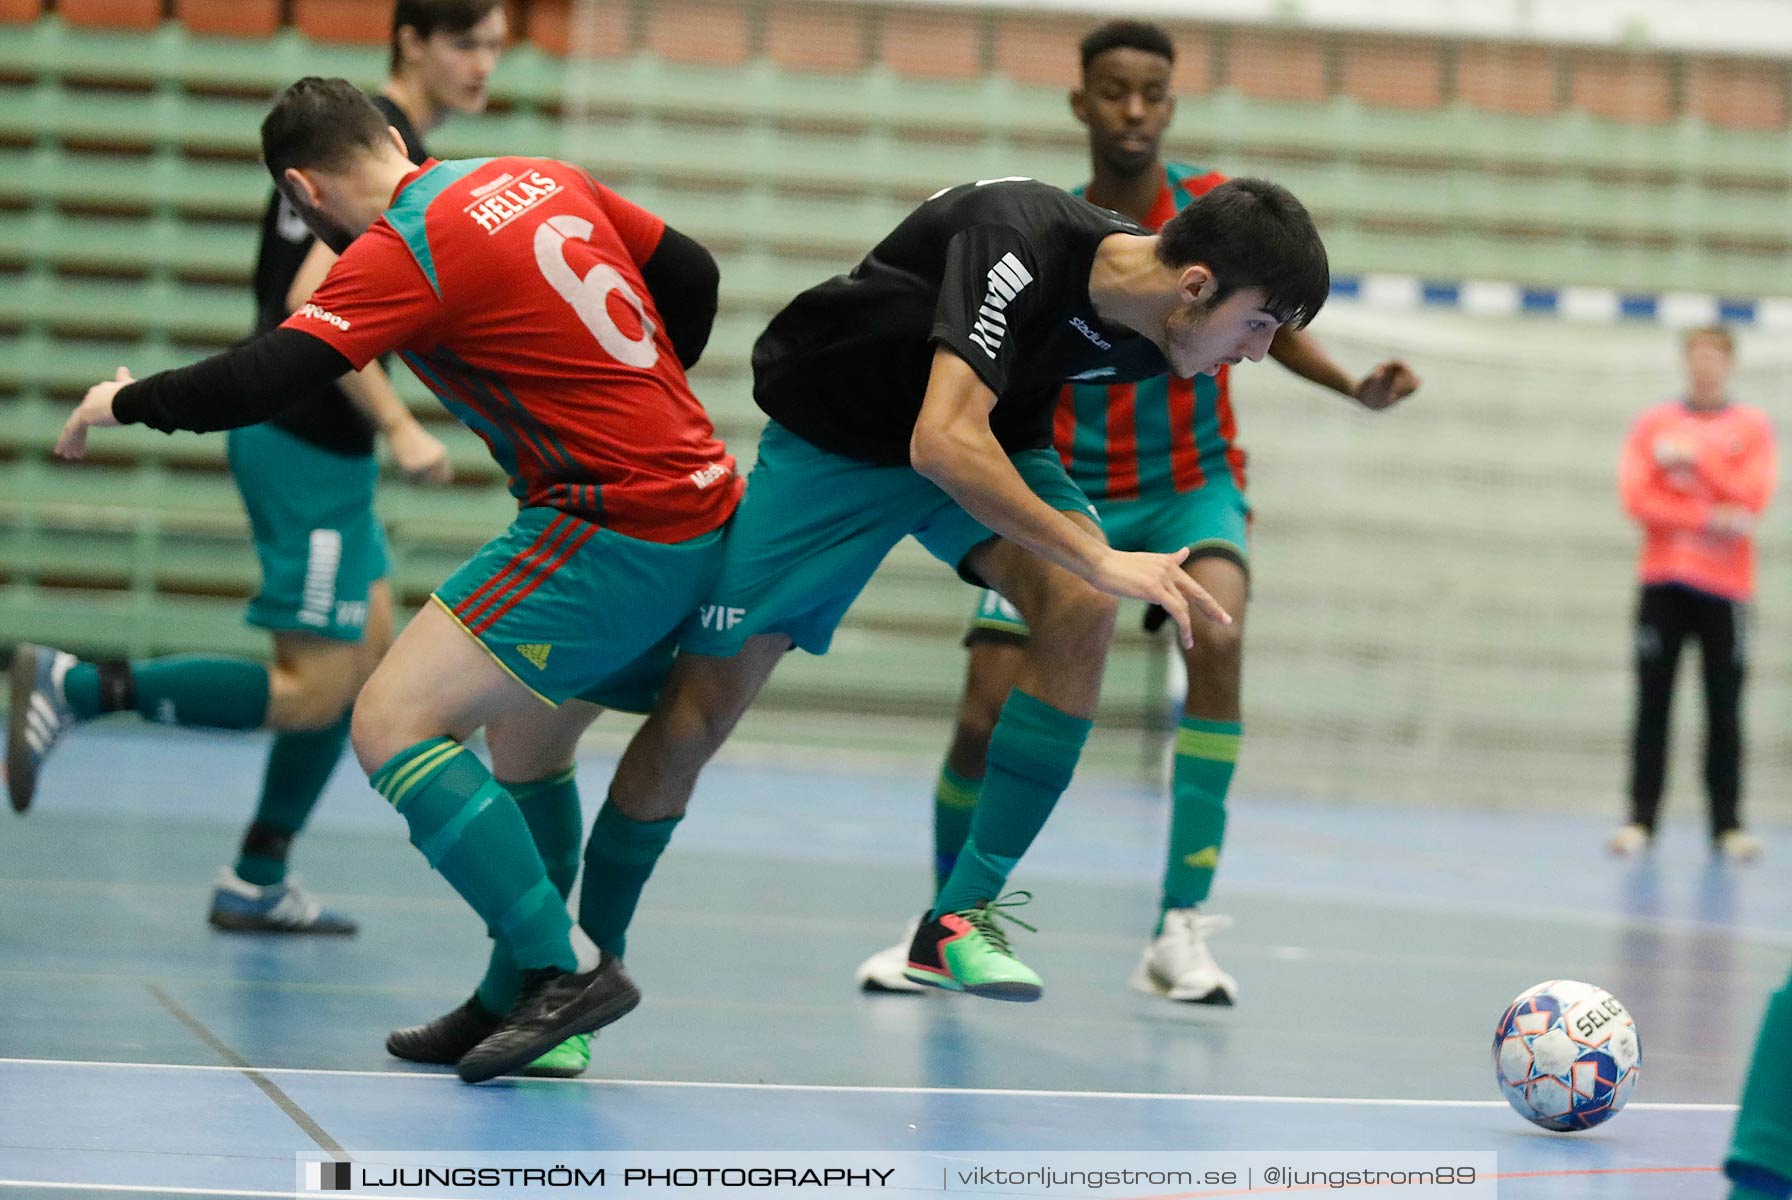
1201,743
953,796
401,786
407,779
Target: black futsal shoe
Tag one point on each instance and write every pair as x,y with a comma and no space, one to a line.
551,1007
445,1040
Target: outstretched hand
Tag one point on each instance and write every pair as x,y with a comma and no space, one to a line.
1160,579
94,412
1387,385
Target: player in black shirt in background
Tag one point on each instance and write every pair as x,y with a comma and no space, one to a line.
307,481
915,395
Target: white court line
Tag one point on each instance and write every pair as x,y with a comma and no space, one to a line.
1043,1094
1763,936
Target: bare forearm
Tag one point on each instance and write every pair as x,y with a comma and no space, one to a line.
953,446
1300,352
978,475
370,391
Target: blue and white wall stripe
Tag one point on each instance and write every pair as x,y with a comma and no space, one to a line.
1490,298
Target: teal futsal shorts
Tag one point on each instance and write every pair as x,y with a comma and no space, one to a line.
320,545
813,526
576,611
1212,521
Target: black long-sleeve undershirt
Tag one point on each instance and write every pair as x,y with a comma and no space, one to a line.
683,279
249,384
244,386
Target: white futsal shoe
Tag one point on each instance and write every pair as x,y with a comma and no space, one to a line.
882,972
1628,841
1177,965
1738,845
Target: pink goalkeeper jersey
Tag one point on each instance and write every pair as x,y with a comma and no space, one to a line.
1734,463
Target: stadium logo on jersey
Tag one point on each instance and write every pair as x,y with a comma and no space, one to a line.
1078,324
324,315
498,209
1007,279
710,474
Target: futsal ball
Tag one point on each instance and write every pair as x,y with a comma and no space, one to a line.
1567,1055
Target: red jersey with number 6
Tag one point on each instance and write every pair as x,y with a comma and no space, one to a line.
512,287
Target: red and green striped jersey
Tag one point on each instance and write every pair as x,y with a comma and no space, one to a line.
1164,435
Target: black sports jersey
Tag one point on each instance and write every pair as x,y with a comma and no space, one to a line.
324,417
997,271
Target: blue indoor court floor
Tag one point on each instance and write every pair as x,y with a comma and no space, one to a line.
142,1053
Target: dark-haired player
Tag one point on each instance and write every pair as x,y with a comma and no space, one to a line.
306,478
572,373
1160,460
915,396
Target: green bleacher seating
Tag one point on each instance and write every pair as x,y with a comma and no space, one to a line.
131,191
